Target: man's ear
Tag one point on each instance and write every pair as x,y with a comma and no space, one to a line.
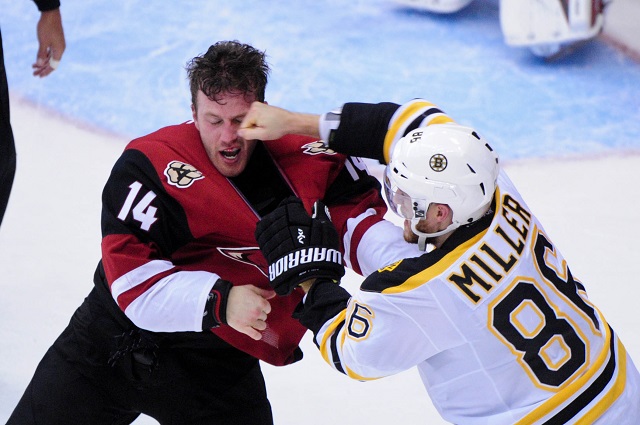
444,213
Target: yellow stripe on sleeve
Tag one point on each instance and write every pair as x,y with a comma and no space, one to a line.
410,109
614,392
324,348
437,269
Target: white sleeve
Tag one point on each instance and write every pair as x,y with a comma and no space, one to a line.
329,121
175,303
380,245
373,338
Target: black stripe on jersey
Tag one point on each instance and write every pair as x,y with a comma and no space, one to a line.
334,348
594,390
389,278
392,277
418,121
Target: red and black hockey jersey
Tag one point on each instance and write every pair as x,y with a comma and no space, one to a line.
172,225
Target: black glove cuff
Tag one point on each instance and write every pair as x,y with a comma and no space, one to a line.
215,310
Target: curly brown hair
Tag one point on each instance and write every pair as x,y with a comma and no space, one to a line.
228,67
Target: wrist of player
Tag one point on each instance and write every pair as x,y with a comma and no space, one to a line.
323,301
215,310
327,125
307,284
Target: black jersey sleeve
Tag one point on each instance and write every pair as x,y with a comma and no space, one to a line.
135,202
47,5
362,129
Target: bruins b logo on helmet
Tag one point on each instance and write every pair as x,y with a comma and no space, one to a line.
438,162
317,147
181,175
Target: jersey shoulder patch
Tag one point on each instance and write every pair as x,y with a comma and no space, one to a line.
181,175
316,148
396,274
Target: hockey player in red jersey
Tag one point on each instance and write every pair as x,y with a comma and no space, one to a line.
181,311
500,329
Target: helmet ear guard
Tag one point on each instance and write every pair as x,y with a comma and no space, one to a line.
442,164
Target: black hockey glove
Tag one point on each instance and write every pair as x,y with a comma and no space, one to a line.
299,247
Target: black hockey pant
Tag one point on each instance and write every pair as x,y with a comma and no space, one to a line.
7,144
99,372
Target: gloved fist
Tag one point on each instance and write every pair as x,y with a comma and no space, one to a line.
299,247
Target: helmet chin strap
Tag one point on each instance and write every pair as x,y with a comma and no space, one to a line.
422,237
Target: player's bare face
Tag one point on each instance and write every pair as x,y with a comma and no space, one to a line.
218,122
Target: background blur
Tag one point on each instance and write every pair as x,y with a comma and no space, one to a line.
123,70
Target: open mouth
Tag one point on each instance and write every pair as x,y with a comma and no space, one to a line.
230,153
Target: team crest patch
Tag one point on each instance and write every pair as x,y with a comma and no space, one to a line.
438,162
316,148
181,175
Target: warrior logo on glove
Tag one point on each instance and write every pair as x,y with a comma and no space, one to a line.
302,257
299,247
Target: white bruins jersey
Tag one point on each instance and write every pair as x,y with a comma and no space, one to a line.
497,325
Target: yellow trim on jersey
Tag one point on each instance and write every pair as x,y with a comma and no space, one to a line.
399,122
519,354
613,394
562,274
437,269
351,374
572,389
324,348
442,119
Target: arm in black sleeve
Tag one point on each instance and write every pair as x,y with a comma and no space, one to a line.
362,129
47,5
324,301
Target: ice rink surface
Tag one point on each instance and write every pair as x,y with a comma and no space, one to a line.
568,132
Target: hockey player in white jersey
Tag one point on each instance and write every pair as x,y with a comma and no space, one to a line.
491,315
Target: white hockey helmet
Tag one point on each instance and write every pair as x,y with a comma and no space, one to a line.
437,6
443,164
548,26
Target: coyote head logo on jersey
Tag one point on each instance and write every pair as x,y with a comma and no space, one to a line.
317,147
181,175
